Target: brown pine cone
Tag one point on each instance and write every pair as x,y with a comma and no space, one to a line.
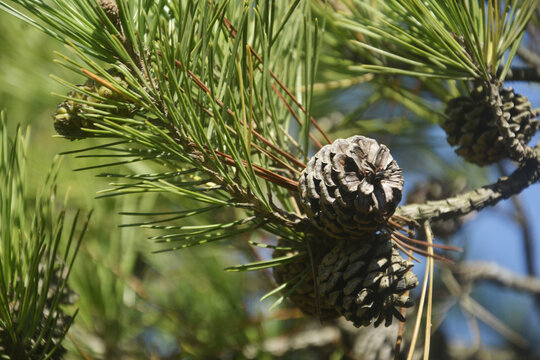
366,280
350,187
304,295
472,124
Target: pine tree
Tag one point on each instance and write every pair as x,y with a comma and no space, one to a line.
223,110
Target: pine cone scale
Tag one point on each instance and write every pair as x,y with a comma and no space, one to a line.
304,295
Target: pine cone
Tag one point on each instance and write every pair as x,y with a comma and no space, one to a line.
110,8
366,280
69,120
304,295
351,187
472,124
370,343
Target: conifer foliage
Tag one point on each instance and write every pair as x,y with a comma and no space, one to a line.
38,250
217,100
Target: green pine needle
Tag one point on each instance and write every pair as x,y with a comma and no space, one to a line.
444,39
259,265
38,253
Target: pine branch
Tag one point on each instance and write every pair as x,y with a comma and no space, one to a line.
530,57
244,196
474,271
529,74
527,174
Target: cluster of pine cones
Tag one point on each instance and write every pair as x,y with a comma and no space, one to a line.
350,189
349,268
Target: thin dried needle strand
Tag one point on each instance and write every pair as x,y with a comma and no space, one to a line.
401,327
263,173
395,225
260,137
427,244
409,221
293,98
429,236
416,330
407,252
291,111
108,85
420,251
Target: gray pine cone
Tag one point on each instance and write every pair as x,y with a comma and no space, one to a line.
304,295
351,187
366,280
471,124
